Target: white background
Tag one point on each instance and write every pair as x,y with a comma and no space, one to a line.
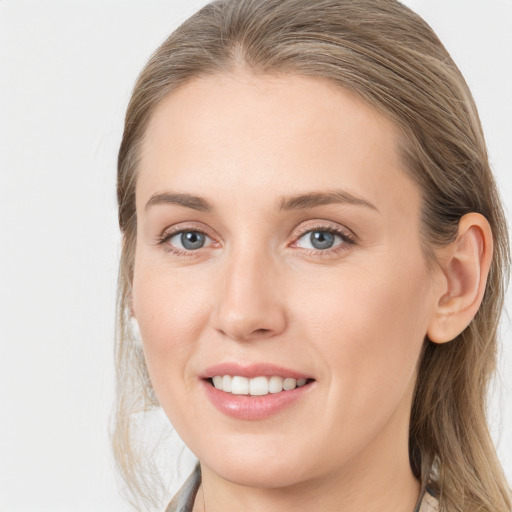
66,72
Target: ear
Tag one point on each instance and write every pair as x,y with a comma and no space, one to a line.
465,266
133,322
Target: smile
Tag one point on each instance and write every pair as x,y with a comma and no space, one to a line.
257,386
256,391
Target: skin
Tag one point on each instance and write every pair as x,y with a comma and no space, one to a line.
354,316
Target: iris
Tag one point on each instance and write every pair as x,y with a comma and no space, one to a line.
321,239
192,240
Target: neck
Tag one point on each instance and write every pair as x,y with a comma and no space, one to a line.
398,496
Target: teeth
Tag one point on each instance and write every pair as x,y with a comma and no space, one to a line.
226,383
217,381
289,384
258,386
239,385
275,385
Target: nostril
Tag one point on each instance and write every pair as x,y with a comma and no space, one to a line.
238,334
261,331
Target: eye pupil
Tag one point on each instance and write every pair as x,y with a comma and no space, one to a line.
192,240
322,239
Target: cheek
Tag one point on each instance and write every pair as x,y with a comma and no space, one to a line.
172,311
369,329
368,332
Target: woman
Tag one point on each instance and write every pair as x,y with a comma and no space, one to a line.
315,253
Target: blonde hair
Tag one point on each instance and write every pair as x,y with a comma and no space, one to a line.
388,56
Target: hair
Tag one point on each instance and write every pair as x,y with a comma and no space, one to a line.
390,58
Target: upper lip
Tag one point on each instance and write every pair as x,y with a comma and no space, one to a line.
252,370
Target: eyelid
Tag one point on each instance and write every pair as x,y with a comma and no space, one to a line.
175,229
347,237
182,226
318,225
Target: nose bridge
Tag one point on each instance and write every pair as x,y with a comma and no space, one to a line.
248,303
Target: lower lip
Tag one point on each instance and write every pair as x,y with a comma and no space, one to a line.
244,407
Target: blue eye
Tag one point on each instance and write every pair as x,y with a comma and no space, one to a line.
319,240
189,240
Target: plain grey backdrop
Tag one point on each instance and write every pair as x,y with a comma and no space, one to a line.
66,72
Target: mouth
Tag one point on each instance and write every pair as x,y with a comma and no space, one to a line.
255,397
256,386
255,391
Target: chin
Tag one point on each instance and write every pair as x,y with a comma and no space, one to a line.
269,474
268,466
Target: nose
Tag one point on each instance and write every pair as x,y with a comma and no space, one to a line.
249,303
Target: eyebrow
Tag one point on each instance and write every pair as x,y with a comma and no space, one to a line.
187,200
313,199
298,202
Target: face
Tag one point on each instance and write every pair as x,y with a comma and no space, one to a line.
278,256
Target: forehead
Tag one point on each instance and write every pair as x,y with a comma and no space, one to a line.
288,132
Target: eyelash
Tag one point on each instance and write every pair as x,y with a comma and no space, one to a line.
168,234
347,239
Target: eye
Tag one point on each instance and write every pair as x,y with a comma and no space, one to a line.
321,240
188,240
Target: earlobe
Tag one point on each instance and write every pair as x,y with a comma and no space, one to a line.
135,331
465,266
